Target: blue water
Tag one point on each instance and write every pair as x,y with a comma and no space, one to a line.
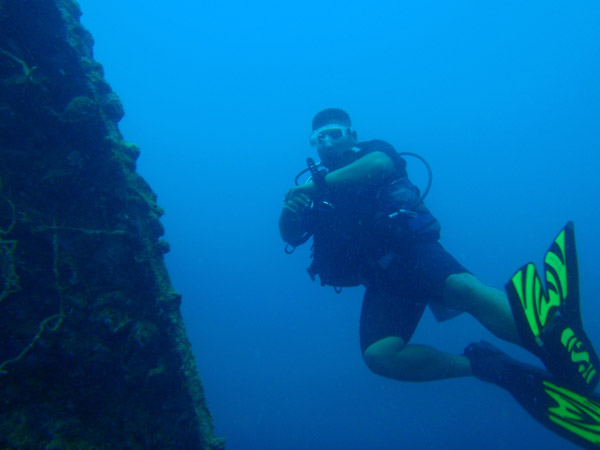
503,100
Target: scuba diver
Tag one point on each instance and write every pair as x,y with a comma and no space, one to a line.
369,226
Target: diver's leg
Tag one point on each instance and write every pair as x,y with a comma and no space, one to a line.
391,358
488,305
387,323
438,276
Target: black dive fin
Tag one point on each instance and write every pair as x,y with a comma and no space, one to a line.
548,318
571,415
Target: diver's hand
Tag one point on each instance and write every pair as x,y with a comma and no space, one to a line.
308,190
292,215
295,206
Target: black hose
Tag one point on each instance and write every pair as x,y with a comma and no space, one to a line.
300,174
429,172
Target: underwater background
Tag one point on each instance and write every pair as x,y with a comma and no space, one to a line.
501,98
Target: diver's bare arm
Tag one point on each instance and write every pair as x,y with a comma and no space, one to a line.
370,169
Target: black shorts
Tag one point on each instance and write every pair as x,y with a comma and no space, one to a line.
394,302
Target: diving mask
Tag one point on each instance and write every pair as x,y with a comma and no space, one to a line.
332,131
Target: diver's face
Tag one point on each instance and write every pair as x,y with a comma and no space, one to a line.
333,141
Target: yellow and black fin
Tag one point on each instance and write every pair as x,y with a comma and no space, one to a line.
574,416
548,316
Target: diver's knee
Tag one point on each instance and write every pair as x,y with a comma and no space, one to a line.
379,356
458,283
460,289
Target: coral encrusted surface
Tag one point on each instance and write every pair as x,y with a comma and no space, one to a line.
93,350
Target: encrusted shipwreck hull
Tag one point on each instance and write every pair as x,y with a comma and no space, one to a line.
93,350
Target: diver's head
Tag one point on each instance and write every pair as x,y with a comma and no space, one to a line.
333,137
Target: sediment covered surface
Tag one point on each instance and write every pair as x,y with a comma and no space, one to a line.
93,349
